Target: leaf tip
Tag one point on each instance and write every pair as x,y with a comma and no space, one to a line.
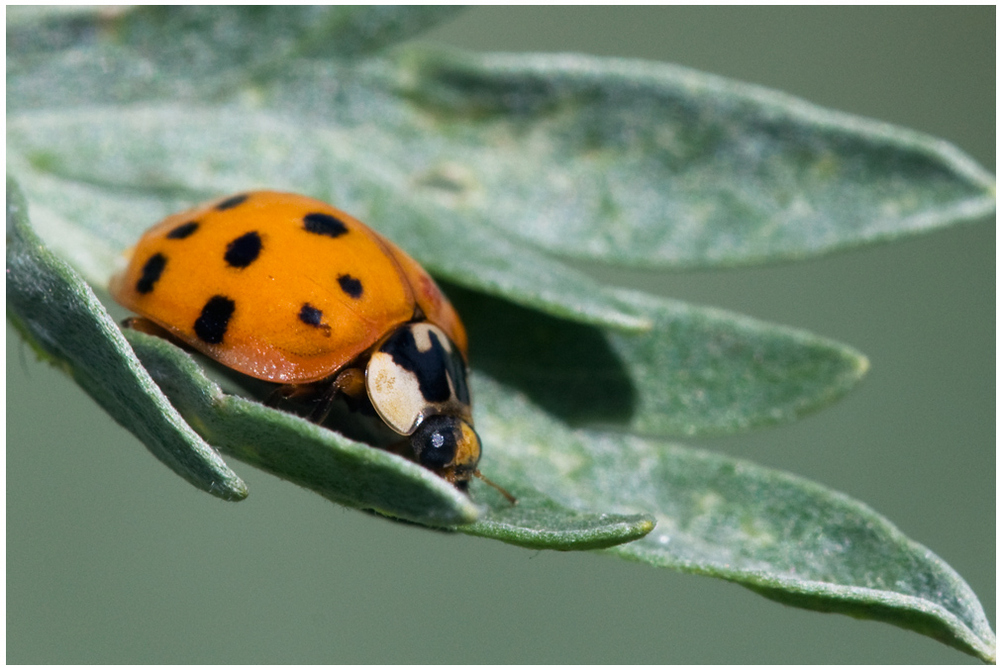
644,526
861,365
233,490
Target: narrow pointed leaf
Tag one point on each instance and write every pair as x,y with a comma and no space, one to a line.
697,370
640,163
688,370
787,538
538,523
649,164
357,475
790,539
59,314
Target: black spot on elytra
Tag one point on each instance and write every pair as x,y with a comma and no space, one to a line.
244,250
231,202
213,322
432,367
183,231
350,285
151,272
325,224
313,317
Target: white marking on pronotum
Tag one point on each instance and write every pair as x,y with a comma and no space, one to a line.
422,337
395,393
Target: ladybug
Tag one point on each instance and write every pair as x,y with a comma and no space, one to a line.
290,290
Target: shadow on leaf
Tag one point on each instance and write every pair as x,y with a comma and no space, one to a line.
566,368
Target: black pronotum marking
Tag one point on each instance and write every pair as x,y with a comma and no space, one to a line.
151,272
233,201
350,285
241,252
183,231
325,224
432,367
211,325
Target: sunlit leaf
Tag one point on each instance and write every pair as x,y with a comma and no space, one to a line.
648,164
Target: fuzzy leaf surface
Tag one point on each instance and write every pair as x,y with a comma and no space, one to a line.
65,323
648,164
483,167
787,538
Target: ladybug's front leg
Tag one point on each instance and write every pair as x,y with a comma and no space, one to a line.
147,326
288,392
350,381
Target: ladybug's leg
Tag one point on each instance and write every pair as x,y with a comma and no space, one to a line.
401,447
147,327
288,392
350,381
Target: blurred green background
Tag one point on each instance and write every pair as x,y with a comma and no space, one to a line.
111,558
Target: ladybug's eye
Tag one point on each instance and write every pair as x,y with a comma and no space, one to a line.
435,442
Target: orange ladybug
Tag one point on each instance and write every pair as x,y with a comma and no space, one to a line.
290,290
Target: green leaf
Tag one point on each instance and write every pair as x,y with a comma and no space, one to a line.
688,370
620,161
697,370
60,316
787,538
648,164
213,40
360,476
247,38
482,166
537,522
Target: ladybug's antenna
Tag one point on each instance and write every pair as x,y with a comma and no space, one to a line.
507,495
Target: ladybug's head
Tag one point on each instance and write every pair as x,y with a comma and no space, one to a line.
416,380
449,446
